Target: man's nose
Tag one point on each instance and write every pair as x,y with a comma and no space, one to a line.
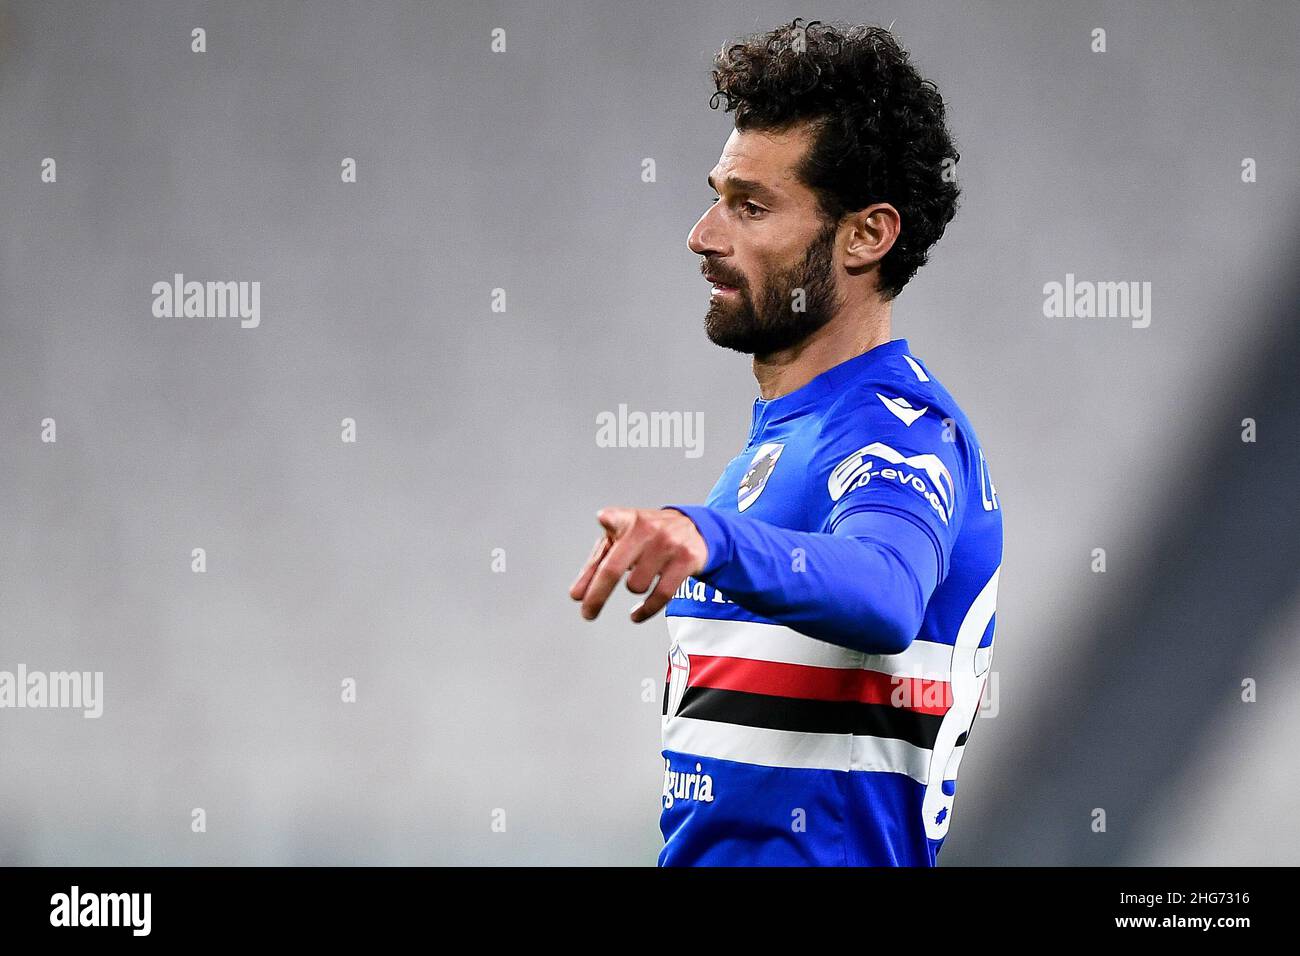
705,237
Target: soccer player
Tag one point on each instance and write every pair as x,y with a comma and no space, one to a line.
831,605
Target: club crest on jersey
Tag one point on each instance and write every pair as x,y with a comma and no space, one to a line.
679,674
760,469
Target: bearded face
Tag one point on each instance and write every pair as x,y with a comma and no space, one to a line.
791,302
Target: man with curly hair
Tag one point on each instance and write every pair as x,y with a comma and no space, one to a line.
831,605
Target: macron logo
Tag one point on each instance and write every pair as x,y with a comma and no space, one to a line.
903,409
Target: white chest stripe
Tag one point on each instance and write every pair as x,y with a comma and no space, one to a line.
786,748
775,642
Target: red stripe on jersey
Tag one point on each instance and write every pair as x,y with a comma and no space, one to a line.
778,679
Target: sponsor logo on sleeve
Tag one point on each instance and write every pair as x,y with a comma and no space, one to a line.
924,474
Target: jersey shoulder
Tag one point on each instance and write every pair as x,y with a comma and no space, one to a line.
899,398
895,438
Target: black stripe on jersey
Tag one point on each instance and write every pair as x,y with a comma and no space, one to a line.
811,716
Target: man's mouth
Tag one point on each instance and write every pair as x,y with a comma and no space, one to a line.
721,288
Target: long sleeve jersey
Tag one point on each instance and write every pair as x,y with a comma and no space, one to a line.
826,665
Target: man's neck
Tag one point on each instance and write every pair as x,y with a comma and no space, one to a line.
842,338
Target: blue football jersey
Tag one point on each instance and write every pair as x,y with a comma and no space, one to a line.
783,749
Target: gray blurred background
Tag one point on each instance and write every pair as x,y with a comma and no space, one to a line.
479,690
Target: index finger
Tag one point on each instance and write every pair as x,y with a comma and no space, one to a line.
578,589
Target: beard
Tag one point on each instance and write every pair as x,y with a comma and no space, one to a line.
773,324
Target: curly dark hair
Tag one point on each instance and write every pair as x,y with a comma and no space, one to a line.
879,128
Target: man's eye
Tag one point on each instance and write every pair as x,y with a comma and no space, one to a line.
751,209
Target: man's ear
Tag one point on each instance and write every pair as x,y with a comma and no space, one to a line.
872,233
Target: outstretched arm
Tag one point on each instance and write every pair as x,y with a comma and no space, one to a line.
863,586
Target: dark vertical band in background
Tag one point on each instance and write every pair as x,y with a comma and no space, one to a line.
1169,652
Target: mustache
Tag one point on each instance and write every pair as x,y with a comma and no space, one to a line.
722,277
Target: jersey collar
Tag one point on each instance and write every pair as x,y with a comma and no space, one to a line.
829,383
